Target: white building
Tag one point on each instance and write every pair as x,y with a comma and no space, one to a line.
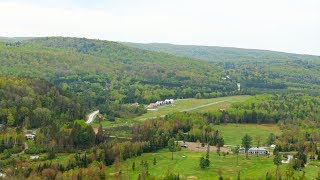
159,103
238,85
168,101
34,157
254,151
30,136
2,175
272,146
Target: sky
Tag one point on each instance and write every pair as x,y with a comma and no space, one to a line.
281,25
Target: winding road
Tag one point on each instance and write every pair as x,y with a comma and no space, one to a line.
92,116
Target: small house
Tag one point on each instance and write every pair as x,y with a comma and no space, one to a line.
273,146
168,101
238,85
30,136
35,157
159,103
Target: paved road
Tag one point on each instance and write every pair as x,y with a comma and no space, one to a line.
92,116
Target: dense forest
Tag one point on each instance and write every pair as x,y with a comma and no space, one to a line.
35,103
270,109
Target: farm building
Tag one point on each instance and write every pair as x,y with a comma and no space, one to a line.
159,103
254,151
238,85
152,105
30,136
168,101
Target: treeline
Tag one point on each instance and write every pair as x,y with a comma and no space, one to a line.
269,109
102,150
34,102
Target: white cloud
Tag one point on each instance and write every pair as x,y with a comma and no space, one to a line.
284,25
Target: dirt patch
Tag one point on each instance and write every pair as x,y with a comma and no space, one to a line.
197,147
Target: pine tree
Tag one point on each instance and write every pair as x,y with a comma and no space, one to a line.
154,161
246,143
172,146
207,160
133,166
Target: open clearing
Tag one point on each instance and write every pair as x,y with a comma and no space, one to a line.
192,104
193,146
186,163
232,133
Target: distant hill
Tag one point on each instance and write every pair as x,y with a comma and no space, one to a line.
14,39
215,53
257,70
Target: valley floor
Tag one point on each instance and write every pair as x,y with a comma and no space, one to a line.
186,163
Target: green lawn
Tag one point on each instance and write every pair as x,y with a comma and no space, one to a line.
186,163
199,105
232,133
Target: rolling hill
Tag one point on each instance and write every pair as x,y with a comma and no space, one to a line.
109,73
256,70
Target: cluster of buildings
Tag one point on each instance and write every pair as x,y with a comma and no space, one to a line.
160,103
254,150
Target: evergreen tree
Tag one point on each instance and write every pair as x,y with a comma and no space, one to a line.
246,143
172,146
133,166
154,161
277,162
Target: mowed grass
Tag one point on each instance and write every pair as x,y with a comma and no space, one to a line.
194,105
186,163
233,133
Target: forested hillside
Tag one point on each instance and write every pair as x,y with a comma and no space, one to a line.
256,70
215,53
34,103
111,74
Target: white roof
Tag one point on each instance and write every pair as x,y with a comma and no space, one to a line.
257,149
34,157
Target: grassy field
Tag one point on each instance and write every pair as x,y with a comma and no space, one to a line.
186,163
232,133
117,122
199,105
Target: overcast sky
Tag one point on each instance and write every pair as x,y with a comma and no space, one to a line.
282,25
